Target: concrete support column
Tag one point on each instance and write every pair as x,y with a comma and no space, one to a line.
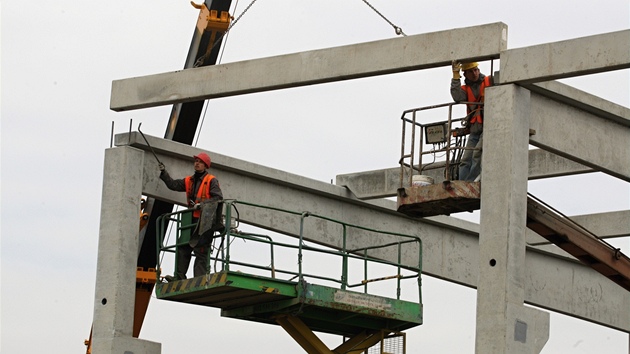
504,324
117,255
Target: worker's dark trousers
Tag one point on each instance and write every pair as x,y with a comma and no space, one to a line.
184,254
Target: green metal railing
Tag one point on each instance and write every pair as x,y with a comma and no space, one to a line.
223,259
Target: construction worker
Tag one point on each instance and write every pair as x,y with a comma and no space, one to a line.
203,194
473,90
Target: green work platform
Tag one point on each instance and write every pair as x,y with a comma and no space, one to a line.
321,308
257,284
227,290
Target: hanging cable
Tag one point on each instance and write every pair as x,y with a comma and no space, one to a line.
223,43
201,59
203,118
398,30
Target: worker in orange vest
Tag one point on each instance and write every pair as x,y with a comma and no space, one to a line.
203,194
473,90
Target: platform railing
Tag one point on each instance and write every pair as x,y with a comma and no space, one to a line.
224,256
452,140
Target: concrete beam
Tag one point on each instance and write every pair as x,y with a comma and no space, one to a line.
384,183
606,225
450,246
542,164
574,57
416,52
593,141
585,101
117,255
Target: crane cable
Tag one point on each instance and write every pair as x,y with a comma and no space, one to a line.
397,29
197,64
201,59
224,43
225,34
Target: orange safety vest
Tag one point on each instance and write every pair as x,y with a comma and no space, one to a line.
475,111
203,193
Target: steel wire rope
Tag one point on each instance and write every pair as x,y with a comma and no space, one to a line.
202,58
397,29
205,110
223,44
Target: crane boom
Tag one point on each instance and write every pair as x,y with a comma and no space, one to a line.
212,22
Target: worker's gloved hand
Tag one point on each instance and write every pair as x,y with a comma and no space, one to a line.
161,166
197,206
457,66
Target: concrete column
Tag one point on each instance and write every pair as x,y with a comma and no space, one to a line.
117,255
504,324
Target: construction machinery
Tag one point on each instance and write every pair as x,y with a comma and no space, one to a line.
223,278
301,291
213,21
297,304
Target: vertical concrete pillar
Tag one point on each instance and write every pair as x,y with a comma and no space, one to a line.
504,324
117,255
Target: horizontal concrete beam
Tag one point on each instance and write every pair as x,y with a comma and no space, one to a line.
384,183
606,225
450,246
382,57
574,57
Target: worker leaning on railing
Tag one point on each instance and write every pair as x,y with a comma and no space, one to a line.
203,194
473,90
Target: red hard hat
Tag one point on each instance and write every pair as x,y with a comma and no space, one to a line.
203,157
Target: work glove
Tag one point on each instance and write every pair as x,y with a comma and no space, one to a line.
161,166
197,206
457,66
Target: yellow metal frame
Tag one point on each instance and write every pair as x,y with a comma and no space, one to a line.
309,341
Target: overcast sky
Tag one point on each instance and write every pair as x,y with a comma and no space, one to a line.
58,62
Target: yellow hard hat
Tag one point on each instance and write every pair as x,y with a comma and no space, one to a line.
468,66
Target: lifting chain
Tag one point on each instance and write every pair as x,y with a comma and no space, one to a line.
398,30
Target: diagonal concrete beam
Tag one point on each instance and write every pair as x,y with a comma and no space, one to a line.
450,246
416,52
574,57
593,141
585,101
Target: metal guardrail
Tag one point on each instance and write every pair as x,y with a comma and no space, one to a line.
453,145
224,259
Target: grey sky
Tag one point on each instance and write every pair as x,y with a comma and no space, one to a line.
60,57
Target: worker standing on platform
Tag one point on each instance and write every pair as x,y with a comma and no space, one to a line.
203,194
473,90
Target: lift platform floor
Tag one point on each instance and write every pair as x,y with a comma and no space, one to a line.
321,308
439,199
